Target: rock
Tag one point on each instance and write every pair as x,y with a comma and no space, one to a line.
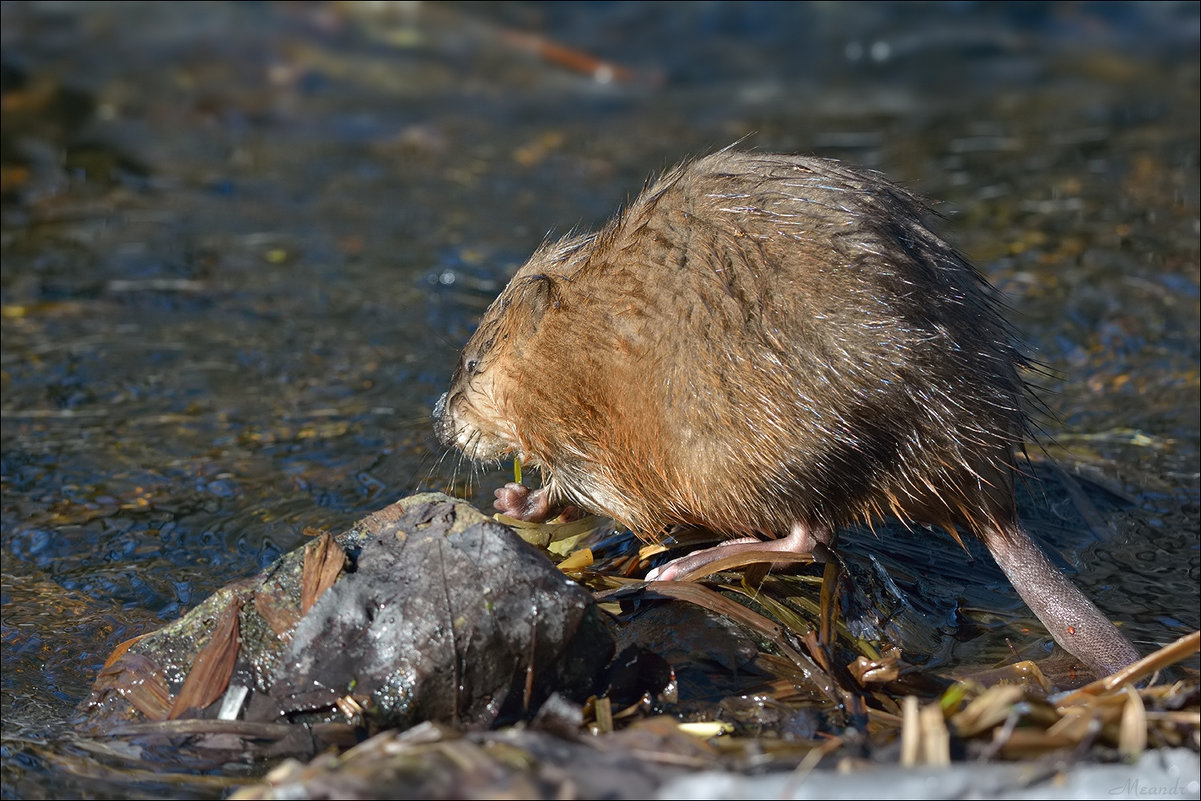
438,614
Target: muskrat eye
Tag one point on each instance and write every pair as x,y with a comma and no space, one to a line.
471,364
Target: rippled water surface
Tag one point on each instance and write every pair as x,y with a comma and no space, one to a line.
242,244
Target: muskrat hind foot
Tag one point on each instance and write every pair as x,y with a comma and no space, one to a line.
801,540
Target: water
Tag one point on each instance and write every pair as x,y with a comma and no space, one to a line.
242,244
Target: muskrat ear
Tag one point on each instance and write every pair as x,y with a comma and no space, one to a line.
540,293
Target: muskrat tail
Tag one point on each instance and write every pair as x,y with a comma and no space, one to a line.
1071,618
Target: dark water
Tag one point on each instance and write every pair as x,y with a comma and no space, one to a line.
243,242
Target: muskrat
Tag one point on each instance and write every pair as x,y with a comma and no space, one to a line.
768,347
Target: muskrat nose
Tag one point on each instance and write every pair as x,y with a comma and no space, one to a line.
441,424
440,409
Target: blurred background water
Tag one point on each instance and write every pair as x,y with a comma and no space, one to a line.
243,242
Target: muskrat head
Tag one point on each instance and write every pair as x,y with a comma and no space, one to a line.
476,415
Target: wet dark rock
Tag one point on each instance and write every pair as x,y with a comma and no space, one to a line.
443,622
709,656
441,614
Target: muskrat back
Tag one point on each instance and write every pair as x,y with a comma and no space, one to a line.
766,346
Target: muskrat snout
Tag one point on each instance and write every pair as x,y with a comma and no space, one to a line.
440,408
459,423
442,427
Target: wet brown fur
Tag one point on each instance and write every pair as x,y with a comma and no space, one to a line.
756,340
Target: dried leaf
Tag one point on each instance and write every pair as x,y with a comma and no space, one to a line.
878,671
123,647
139,680
910,732
603,711
323,563
987,710
559,538
1132,736
577,561
210,673
1076,724
828,609
779,611
936,741
707,728
815,649
1033,744
654,549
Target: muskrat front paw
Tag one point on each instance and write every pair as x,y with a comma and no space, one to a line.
517,500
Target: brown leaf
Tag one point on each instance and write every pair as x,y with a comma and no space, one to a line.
323,563
214,665
123,647
139,680
987,711
878,671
